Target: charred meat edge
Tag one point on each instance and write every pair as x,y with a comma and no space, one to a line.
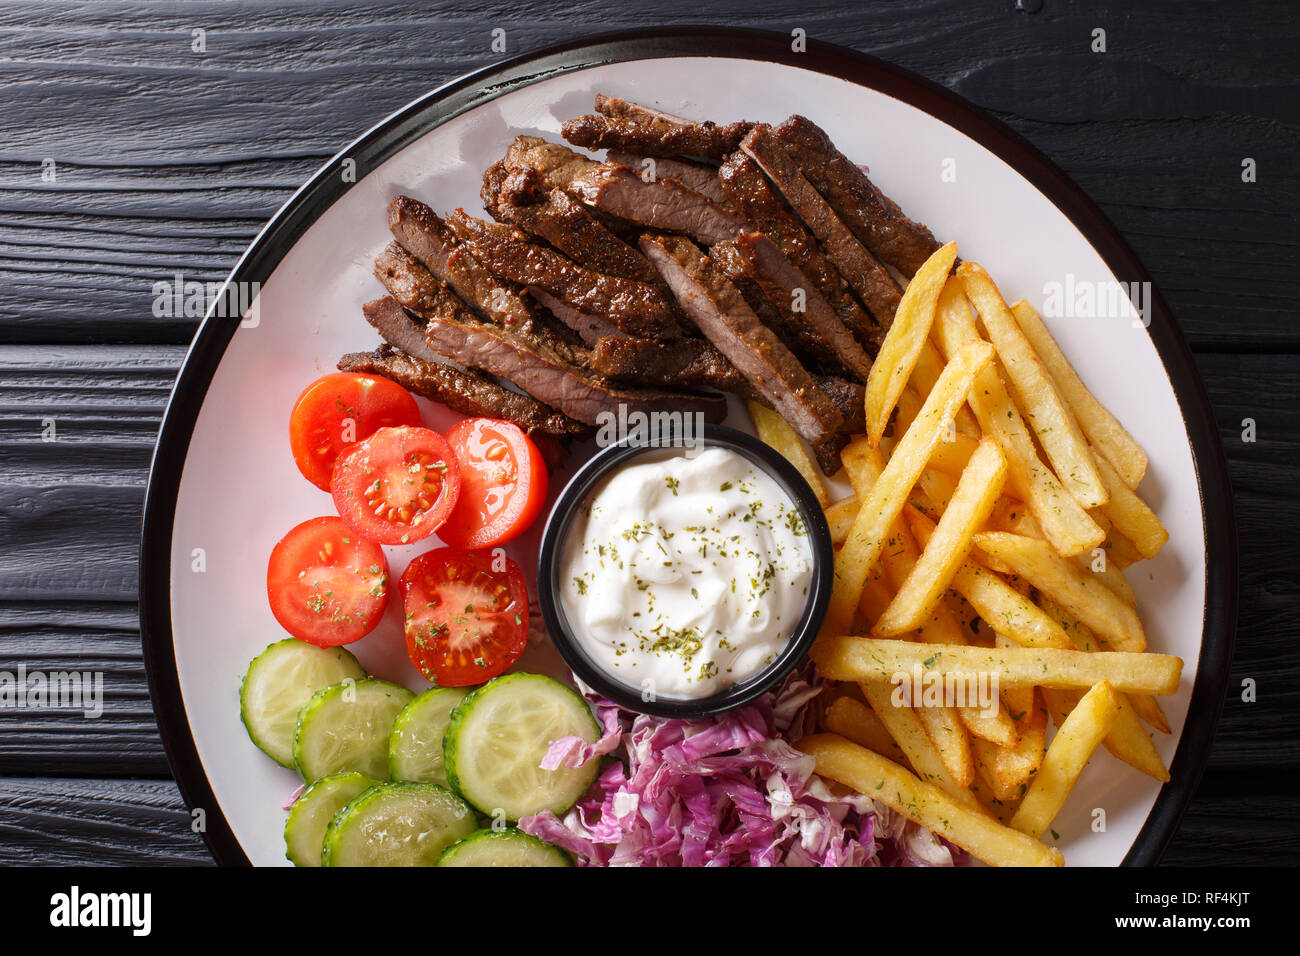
469,392
725,318
865,275
521,197
636,308
766,212
619,124
872,216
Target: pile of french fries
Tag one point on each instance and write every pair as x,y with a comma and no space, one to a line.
994,512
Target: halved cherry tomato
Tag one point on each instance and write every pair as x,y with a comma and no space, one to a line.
338,410
466,615
397,486
326,585
503,483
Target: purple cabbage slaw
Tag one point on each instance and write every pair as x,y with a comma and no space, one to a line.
728,790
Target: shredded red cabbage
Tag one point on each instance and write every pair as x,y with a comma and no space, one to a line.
723,791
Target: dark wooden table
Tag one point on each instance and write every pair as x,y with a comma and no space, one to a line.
159,158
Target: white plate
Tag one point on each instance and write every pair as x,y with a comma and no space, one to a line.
236,492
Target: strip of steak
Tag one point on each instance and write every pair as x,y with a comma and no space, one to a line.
687,363
554,162
546,376
590,328
468,392
522,198
695,176
864,274
815,324
424,294
630,127
420,230
766,212
851,400
636,308
872,216
663,204
722,314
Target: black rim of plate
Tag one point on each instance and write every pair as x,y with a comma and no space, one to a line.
474,89
550,568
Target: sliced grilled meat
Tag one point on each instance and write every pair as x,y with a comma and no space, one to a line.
622,125
521,198
722,314
590,328
662,204
695,176
400,329
636,308
548,377
864,274
872,216
850,398
424,294
766,212
420,230
554,162
686,363
466,391
815,324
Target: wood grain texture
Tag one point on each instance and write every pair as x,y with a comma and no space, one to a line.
50,822
169,161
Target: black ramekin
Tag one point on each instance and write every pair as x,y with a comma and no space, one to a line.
551,558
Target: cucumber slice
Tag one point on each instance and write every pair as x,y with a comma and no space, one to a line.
397,824
498,736
346,727
304,832
415,748
509,847
279,681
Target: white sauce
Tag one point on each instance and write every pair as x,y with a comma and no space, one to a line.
686,572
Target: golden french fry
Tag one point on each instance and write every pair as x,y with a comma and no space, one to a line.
898,560
1058,433
1064,582
776,431
1101,427
969,508
856,721
840,517
881,659
888,495
1094,562
929,366
1066,524
951,742
881,779
1120,551
950,455
907,335
997,603
1073,745
1130,515
1146,707
905,726
938,487
1127,740
1008,770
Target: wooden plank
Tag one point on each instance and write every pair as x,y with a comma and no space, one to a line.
204,147
71,822
1239,819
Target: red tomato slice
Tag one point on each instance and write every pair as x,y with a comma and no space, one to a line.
338,410
466,615
503,483
397,486
326,585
